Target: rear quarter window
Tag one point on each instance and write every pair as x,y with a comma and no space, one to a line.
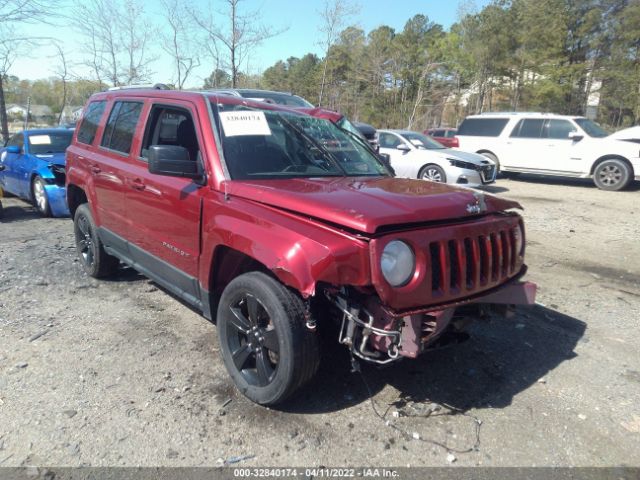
90,121
482,127
118,134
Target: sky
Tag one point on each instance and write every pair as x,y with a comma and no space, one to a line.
300,18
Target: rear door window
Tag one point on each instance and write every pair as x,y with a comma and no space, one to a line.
528,128
90,121
121,126
482,127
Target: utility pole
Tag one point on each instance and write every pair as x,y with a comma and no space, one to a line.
26,118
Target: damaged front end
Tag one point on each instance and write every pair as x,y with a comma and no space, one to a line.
378,335
446,275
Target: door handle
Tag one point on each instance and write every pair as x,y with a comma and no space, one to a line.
137,184
95,169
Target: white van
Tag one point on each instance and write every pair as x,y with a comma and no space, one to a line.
549,144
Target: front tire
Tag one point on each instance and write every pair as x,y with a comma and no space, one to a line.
612,175
40,199
433,173
265,345
91,254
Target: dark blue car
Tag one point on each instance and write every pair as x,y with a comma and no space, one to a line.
34,169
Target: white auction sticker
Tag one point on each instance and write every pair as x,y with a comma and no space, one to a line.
40,140
244,123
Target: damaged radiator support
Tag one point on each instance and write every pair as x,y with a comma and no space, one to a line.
377,337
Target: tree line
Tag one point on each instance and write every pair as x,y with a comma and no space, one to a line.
578,57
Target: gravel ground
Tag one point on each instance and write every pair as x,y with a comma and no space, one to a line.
118,372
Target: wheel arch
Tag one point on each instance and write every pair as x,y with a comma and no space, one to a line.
76,196
611,157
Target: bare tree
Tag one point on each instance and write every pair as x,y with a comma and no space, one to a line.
116,50
135,38
335,14
177,41
63,73
241,36
12,14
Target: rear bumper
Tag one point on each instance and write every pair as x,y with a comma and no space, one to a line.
57,197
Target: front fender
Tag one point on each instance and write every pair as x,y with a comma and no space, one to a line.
299,251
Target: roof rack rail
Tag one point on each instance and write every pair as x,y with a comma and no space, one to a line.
518,113
153,86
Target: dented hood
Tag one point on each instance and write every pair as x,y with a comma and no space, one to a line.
366,204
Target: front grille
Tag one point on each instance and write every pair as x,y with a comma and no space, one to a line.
471,263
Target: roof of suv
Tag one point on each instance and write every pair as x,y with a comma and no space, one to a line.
522,114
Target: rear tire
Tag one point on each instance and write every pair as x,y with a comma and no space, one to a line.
265,345
433,173
612,175
91,254
39,196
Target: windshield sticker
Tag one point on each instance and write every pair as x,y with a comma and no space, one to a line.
40,140
244,123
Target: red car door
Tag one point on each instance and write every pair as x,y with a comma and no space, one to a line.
108,159
165,211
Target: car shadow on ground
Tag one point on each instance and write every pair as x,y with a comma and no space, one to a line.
634,186
18,210
502,358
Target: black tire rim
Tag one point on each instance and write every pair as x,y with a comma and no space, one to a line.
85,243
610,175
252,341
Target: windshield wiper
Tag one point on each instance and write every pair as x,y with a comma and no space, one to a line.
316,144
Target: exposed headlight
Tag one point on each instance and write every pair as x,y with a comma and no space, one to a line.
518,235
461,164
398,263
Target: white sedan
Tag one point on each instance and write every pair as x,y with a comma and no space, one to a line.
414,155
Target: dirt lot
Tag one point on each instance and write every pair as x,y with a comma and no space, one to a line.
120,373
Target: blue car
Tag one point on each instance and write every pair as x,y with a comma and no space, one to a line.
34,169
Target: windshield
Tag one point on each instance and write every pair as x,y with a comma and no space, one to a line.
277,98
421,141
52,142
265,144
350,127
591,128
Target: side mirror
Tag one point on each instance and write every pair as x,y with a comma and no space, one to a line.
13,149
575,136
403,148
173,161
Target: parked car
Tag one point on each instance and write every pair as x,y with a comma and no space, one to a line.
631,134
549,144
415,155
445,136
34,168
1,194
279,225
370,133
268,96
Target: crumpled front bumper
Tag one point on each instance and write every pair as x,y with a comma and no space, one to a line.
57,197
379,335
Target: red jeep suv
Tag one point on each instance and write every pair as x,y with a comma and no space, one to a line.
277,225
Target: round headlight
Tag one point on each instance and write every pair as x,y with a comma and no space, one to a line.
518,235
397,263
